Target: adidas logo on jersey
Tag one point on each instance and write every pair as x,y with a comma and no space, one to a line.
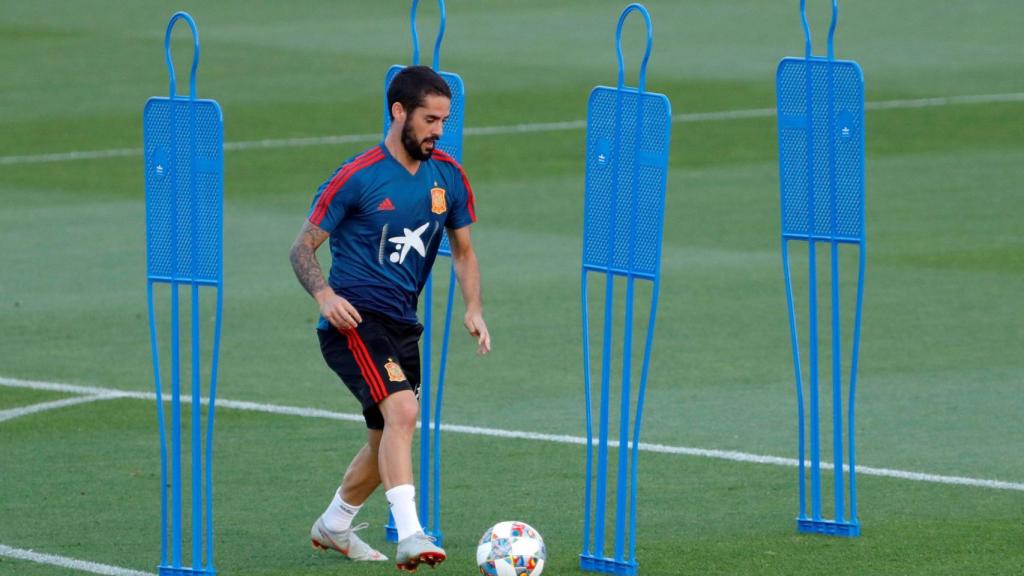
385,205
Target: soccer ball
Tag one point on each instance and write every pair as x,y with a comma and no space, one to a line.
511,549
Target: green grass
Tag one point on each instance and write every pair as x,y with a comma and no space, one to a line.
14,398
941,369
731,524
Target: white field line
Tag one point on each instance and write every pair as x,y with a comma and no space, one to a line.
44,406
69,563
725,115
515,434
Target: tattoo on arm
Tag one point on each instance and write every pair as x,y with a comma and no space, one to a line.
303,258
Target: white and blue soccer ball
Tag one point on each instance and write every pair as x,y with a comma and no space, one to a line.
511,549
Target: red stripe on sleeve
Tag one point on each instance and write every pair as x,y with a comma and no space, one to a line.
364,160
471,200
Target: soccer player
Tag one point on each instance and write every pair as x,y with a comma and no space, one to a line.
383,211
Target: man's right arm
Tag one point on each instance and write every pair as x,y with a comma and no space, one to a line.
303,257
338,311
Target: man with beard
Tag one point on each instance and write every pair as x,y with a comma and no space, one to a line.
383,211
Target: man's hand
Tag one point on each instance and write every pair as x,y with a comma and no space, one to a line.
477,328
338,311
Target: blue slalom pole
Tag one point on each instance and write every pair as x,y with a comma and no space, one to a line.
197,494
161,422
837,379
176,519
602,442
625,399
425,398
639,414
798,376
416,39
587,402
436,500
211,412
606,358
853,380
812,309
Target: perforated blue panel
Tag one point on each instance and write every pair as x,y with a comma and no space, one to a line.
816,140
627,150
183,142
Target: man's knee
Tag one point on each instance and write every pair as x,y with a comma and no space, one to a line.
400,410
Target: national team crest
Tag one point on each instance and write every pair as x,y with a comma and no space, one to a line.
437,201
395,373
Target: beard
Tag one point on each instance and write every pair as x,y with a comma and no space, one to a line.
415,147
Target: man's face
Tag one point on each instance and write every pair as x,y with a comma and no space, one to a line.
424,126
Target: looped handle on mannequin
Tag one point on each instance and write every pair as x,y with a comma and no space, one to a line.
436,65
647,52
831,29
195,55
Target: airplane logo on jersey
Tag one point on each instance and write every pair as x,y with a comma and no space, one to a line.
411,239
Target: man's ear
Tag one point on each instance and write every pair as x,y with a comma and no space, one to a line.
398,112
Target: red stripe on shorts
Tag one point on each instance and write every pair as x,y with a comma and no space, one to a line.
358,348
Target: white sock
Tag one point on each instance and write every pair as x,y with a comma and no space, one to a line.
403,508
339,514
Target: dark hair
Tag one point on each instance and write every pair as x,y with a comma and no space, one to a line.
411,86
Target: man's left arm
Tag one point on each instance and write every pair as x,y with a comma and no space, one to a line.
467,270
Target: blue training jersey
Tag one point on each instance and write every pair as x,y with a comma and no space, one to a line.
386,226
